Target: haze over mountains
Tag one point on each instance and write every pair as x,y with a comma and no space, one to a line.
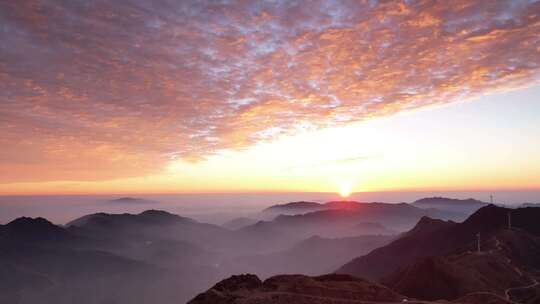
461,207
401,250
349,217
215,208
435,260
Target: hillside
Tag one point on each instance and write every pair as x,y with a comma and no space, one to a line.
412,245
440,238
326,289
504,263
179,255
46,263
295,289
439,260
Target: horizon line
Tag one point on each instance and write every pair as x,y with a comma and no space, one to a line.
265,192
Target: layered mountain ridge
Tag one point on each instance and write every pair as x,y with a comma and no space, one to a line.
117,255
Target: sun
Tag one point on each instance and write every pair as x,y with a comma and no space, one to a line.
345,190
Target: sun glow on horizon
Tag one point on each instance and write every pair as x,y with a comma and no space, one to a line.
345,190
398,153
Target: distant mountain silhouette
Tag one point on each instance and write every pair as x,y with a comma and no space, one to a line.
464,206
455,208
533,205
27,229
437,200
132,200
150,224
303,207
349,219
126,220
343,205
294,208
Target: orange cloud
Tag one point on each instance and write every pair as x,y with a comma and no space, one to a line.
93,90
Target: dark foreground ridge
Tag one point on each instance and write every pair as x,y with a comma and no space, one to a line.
332,288
248,288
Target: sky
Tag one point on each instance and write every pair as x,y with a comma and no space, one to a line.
263,96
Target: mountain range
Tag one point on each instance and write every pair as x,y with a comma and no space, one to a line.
44,262
179,255
463,206
436,260
348,218
159,257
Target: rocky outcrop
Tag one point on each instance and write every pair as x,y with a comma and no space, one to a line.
332,288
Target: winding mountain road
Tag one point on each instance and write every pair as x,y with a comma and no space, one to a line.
509,261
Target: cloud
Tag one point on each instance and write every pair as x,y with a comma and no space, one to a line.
94,90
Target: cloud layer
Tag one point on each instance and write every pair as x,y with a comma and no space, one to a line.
94,90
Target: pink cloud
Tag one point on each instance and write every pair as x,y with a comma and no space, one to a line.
98,90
